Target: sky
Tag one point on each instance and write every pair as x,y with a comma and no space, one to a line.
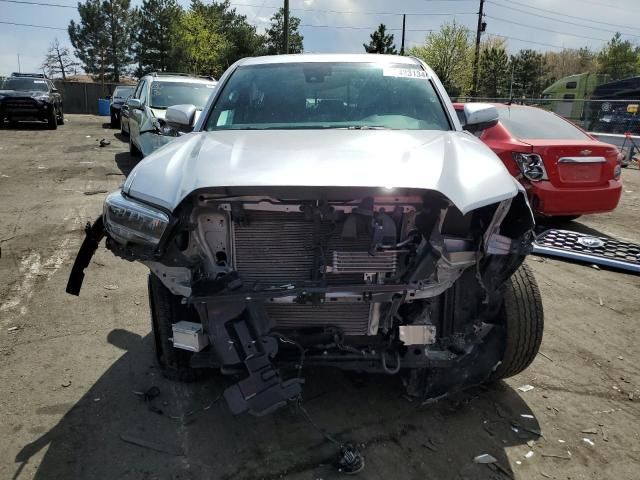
344,25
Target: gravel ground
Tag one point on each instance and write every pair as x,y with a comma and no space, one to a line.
69,366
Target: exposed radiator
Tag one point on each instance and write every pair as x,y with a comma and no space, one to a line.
278,247
351,318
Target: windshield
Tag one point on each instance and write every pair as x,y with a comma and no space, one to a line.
166,94
328,95
535,123
123,92
26,85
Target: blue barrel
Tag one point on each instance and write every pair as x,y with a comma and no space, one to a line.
103,107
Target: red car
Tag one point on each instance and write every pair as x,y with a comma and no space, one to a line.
566,171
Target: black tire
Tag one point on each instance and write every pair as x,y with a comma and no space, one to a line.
523,318
114,121
61,117
133,150
166,309
52,121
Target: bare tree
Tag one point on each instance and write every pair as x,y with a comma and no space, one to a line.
58,60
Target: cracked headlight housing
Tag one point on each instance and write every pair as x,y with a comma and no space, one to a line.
531,166
128,221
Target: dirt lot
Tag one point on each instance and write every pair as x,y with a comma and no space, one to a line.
69,366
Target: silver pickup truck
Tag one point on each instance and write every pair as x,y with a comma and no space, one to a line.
329,211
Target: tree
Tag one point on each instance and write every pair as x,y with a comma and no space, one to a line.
58,60
102,39
155,35
495,73
380,42
568,61
528,73
275,35
450,53
201,43
618,58
242,38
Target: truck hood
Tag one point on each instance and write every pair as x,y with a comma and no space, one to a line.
455,164
23,93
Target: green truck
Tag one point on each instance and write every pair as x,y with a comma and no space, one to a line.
566,96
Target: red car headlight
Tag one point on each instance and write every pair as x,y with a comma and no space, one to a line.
531,166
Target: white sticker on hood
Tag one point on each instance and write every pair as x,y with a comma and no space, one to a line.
404,72
39,81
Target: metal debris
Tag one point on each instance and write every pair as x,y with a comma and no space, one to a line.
592,431
525,388
485,458
588,441
158,447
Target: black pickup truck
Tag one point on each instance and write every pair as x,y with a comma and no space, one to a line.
30,96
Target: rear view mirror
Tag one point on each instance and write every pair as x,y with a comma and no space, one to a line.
134,103
182,117
479,116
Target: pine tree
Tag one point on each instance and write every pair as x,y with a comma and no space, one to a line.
495,72
156,30
275,35
102,39
380,42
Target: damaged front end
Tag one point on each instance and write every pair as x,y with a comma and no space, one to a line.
363,279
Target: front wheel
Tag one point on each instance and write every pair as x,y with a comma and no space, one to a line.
166,309
60,118
133,150
52,120
523,318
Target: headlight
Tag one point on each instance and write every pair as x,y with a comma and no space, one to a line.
134,222
531,166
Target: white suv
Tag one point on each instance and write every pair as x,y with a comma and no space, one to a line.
147,106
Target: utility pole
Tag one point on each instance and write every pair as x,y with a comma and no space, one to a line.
19,69
476,59
286,26
404,21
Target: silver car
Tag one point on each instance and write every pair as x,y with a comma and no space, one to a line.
146,108
329,211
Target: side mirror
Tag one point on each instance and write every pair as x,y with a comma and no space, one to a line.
134,103
479,116
183,117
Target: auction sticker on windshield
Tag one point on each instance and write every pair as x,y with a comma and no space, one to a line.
404,72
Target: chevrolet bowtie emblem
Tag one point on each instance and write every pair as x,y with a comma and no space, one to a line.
585,152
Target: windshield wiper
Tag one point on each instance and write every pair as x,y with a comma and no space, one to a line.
367,127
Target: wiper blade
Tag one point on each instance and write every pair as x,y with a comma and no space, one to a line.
367,127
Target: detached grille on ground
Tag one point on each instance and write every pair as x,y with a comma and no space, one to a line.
586,248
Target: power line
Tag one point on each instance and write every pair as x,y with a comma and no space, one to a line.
40,4
545,29
34,26
351,12
527,41
559,20
570,16
349,27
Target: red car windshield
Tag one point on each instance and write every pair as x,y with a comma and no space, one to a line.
535,123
